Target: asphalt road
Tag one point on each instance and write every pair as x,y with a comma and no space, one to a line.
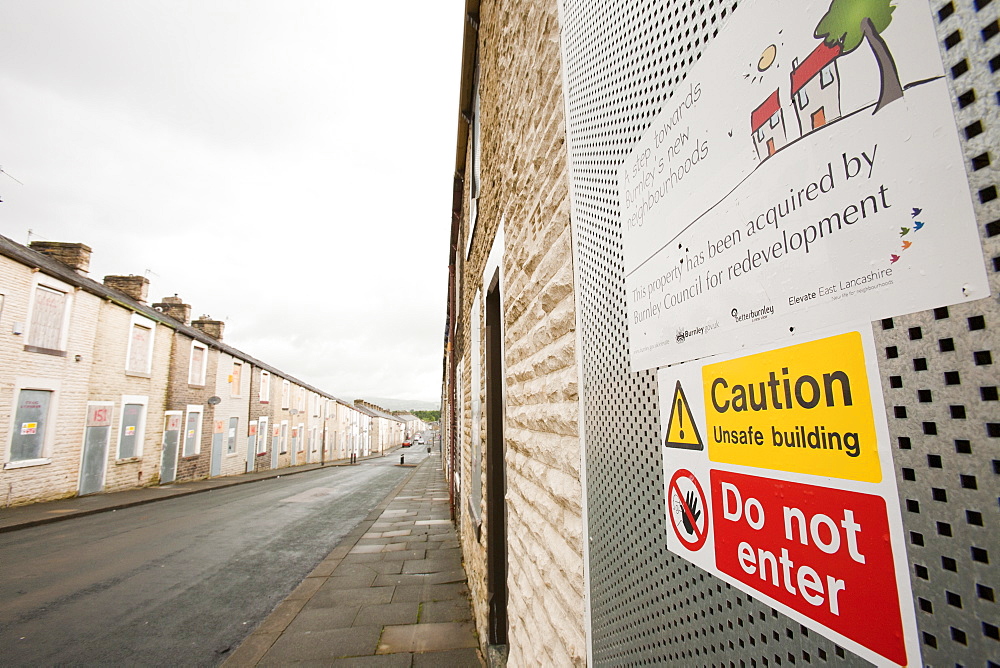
179,582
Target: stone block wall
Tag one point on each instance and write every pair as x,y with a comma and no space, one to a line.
67,377
182,394
111,380
235,404
525,184
256,410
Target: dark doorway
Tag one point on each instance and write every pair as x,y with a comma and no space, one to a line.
496,474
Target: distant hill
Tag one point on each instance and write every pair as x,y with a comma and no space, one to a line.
402,404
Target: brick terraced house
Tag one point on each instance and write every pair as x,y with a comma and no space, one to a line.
101,391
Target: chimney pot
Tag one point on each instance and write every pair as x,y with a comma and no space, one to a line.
209,327
175,308
74,255
136,287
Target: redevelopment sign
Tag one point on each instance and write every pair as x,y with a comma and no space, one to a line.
798,176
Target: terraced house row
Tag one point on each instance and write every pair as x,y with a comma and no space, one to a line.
101,391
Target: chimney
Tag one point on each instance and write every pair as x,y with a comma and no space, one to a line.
136,287
209,327
73,255
175,308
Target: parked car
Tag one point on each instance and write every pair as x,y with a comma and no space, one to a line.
419,440
407,444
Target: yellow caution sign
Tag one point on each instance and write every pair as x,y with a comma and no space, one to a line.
805,408
682,431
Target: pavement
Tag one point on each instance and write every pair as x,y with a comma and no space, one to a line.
392,593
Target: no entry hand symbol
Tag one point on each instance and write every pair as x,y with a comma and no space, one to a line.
688,509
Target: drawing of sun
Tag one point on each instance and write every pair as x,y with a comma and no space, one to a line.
767,58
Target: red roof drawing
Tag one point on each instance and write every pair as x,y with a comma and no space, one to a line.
768,108
821,56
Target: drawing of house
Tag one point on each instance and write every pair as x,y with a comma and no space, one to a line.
816,98
767,123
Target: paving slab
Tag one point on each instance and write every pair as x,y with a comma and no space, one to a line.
324,619
328,597
437,592
445,611
427,637
319,645
455,658
383,661
406,612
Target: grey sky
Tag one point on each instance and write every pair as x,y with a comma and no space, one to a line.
282,165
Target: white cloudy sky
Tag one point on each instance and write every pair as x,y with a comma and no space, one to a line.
283,165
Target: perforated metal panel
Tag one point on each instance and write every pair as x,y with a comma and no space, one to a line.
939,374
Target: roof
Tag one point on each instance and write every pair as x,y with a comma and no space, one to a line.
767,108
364,410
32,258
821,56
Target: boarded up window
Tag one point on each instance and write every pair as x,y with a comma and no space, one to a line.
234,423
128,442
262,428
237,379
265,386
197,374
47,315
138,357
30,422
192,433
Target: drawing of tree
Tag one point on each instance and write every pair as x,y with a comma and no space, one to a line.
848,23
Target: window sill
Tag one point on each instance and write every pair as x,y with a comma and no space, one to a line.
186,458
138,374
45,351
25,463
127,460
261,454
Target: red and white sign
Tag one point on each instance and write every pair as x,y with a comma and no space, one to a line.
821,551
827,551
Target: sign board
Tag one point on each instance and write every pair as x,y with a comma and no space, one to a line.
799,176
791,496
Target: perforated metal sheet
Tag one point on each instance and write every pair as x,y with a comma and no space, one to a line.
938,371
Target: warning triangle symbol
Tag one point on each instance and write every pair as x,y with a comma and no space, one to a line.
682,431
